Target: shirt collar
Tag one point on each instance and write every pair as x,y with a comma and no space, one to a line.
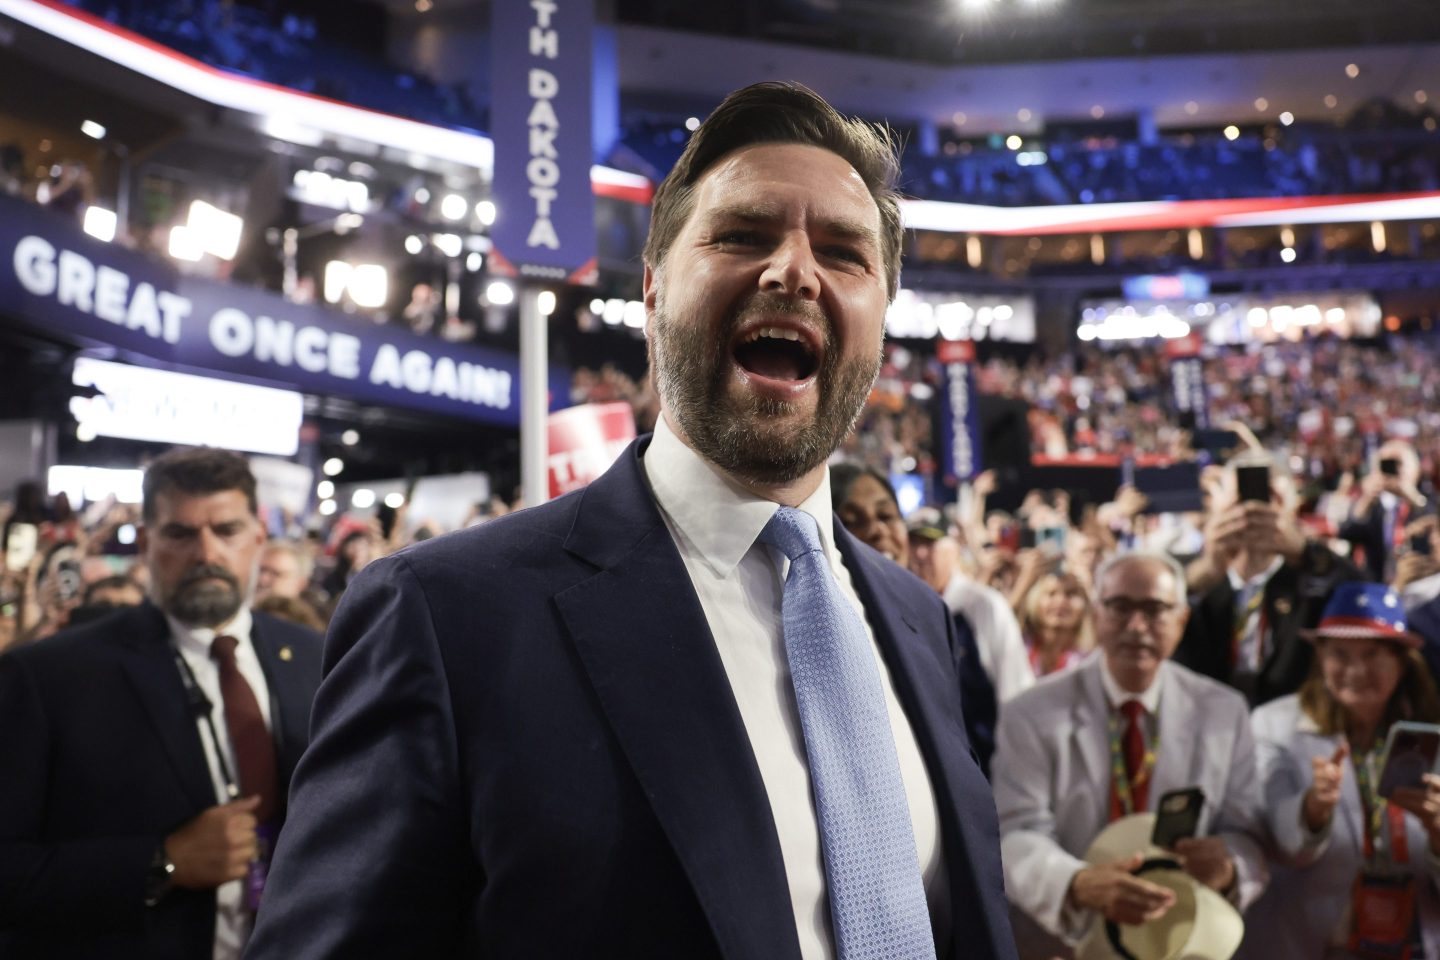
1389,501
1239,583
718,519
197,640
1116,696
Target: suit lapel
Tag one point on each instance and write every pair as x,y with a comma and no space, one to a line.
1091,728
290,695
1181,765
150,665
642,636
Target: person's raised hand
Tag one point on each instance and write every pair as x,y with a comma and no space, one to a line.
1424,802
215,847
1113,891
1327,776
1208,860
1225,532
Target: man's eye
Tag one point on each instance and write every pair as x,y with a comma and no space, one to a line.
739,237
848,254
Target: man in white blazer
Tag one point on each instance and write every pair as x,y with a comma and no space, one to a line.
1072,755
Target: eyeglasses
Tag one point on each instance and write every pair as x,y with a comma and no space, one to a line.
1123,608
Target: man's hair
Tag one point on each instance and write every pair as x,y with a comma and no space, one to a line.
1163,560
304,563
781,113
196,472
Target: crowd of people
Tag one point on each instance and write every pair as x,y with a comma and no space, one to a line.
689,714
1309,633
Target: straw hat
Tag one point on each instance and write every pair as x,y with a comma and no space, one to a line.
1202,925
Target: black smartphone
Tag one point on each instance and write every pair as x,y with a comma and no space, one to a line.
1390,466
1027,538
1420,543
1177,817
1253,482
1410,753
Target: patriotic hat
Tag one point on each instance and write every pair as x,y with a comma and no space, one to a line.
1364,611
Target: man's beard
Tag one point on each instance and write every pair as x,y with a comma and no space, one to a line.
744,436
198,601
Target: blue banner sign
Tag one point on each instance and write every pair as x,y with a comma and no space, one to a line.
540,123
1187,381
1177,286
56,279
960,422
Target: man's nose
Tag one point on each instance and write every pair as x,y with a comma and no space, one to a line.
791,270
207,544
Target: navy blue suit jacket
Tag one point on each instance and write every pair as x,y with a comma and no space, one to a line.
101,759
525,745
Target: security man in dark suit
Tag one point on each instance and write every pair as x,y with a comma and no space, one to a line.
146,755
1258,582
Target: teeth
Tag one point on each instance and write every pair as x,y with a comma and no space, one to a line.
775,333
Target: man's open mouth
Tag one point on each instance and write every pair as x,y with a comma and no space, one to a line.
776,353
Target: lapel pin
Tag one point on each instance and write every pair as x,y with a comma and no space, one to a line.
1283,606
286,654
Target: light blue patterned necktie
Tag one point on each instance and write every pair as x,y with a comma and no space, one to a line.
877,898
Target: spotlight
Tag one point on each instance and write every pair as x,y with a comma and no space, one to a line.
485,210
325,489
332,467
395,500
327,508
453,207
100,223
350,437
93,130
500,293
1232,132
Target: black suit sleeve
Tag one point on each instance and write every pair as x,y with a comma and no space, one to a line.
375,856
92,882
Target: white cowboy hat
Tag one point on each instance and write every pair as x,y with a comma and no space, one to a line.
1202,925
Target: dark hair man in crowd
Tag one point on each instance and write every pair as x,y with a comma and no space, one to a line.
595,728
1257,584
1109,739
147,754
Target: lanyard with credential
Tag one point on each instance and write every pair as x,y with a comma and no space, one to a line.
1376,811
204,710
1118,777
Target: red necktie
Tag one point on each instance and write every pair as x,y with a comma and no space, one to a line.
1134,742
254,751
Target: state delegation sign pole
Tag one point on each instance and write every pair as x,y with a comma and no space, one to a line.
534,397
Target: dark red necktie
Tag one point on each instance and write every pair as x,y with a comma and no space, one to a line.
1134,742
250,741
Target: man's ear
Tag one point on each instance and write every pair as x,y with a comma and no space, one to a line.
650,292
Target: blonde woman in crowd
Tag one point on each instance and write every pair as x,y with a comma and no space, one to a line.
1055,621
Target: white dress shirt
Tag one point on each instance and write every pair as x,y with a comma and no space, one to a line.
232,920
997,634
739,583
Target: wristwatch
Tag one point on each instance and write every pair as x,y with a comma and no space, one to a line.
157,878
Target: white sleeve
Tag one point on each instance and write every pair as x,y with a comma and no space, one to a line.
1009,662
